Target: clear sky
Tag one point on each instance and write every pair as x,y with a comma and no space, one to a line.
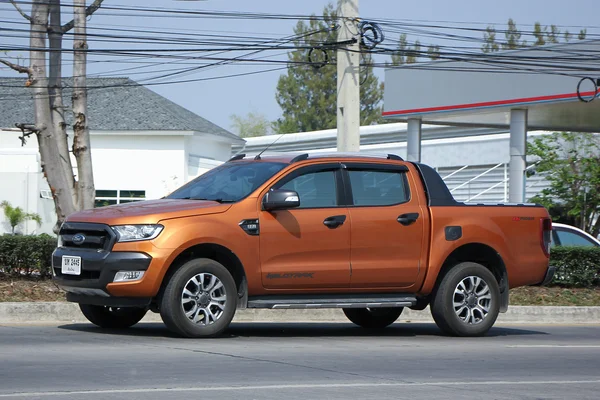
217,99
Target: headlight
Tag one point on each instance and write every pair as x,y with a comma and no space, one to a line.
130,233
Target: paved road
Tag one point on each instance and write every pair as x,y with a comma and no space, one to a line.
299,361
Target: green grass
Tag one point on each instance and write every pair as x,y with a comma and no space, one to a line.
554,296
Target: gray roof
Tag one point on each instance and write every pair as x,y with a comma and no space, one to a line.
114,104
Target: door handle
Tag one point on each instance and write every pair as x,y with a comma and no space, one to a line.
335,221
407,219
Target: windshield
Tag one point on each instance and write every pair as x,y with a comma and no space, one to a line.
229,182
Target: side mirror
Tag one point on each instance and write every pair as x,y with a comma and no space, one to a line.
278,199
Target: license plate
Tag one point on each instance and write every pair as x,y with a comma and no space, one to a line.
71,265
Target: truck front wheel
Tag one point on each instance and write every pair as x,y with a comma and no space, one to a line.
467,300
373,318
112,317
199,300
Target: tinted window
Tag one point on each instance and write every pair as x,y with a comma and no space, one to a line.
378,188
315,189
228,182
569,238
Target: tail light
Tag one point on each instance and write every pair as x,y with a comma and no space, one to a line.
546,235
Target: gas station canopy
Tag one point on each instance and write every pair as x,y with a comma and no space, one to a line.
533,88
482,91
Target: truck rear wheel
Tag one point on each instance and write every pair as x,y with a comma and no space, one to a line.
467,301
373,318
199,300
112,317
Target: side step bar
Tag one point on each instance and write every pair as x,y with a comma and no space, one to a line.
332,301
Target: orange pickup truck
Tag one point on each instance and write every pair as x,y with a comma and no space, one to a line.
367,234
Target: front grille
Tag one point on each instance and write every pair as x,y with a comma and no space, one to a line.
91,236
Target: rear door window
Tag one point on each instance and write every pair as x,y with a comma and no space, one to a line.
372,187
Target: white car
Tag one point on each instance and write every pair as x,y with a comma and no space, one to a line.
567,235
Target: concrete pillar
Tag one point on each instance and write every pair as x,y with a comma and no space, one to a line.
413,140
518,152
348,80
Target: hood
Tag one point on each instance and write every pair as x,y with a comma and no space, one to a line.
148,212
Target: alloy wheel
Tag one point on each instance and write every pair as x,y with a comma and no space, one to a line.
472,300
203,299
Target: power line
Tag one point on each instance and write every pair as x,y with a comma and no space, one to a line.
201,51
12,97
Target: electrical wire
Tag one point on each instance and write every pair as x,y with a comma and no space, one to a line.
164,48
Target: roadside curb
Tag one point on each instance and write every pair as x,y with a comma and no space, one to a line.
47,312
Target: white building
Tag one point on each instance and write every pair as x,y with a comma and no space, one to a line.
143,147
472,161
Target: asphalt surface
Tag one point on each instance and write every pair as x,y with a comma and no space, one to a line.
299,361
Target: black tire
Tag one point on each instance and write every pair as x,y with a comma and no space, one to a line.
173,312
112,317
468,319
373,318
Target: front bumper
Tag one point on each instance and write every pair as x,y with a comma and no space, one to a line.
549,275
98,269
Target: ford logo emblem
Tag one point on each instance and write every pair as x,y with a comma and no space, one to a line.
78,238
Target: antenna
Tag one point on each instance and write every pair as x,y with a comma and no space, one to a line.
267,148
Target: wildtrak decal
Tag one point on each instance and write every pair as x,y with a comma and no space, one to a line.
290,275
523,218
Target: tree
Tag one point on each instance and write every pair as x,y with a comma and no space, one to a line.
513,37
413,55
433,52
490,44
553,34
571,164
539,35
399,56
16,216
542,35
85,190
307,94
69,193
252,125
407,54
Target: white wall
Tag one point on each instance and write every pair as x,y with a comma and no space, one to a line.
455,152
20,183
209,147
447,152
151,163
155,162
204,152
199,165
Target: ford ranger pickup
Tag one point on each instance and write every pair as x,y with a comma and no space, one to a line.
368,234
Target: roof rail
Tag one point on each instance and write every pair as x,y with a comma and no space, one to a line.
236,157
394,157
300,157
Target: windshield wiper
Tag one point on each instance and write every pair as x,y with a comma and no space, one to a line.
218,200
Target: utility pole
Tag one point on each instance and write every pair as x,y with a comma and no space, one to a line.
348,80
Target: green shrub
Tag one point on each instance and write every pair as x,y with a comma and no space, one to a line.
576,266
32,255
26,255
